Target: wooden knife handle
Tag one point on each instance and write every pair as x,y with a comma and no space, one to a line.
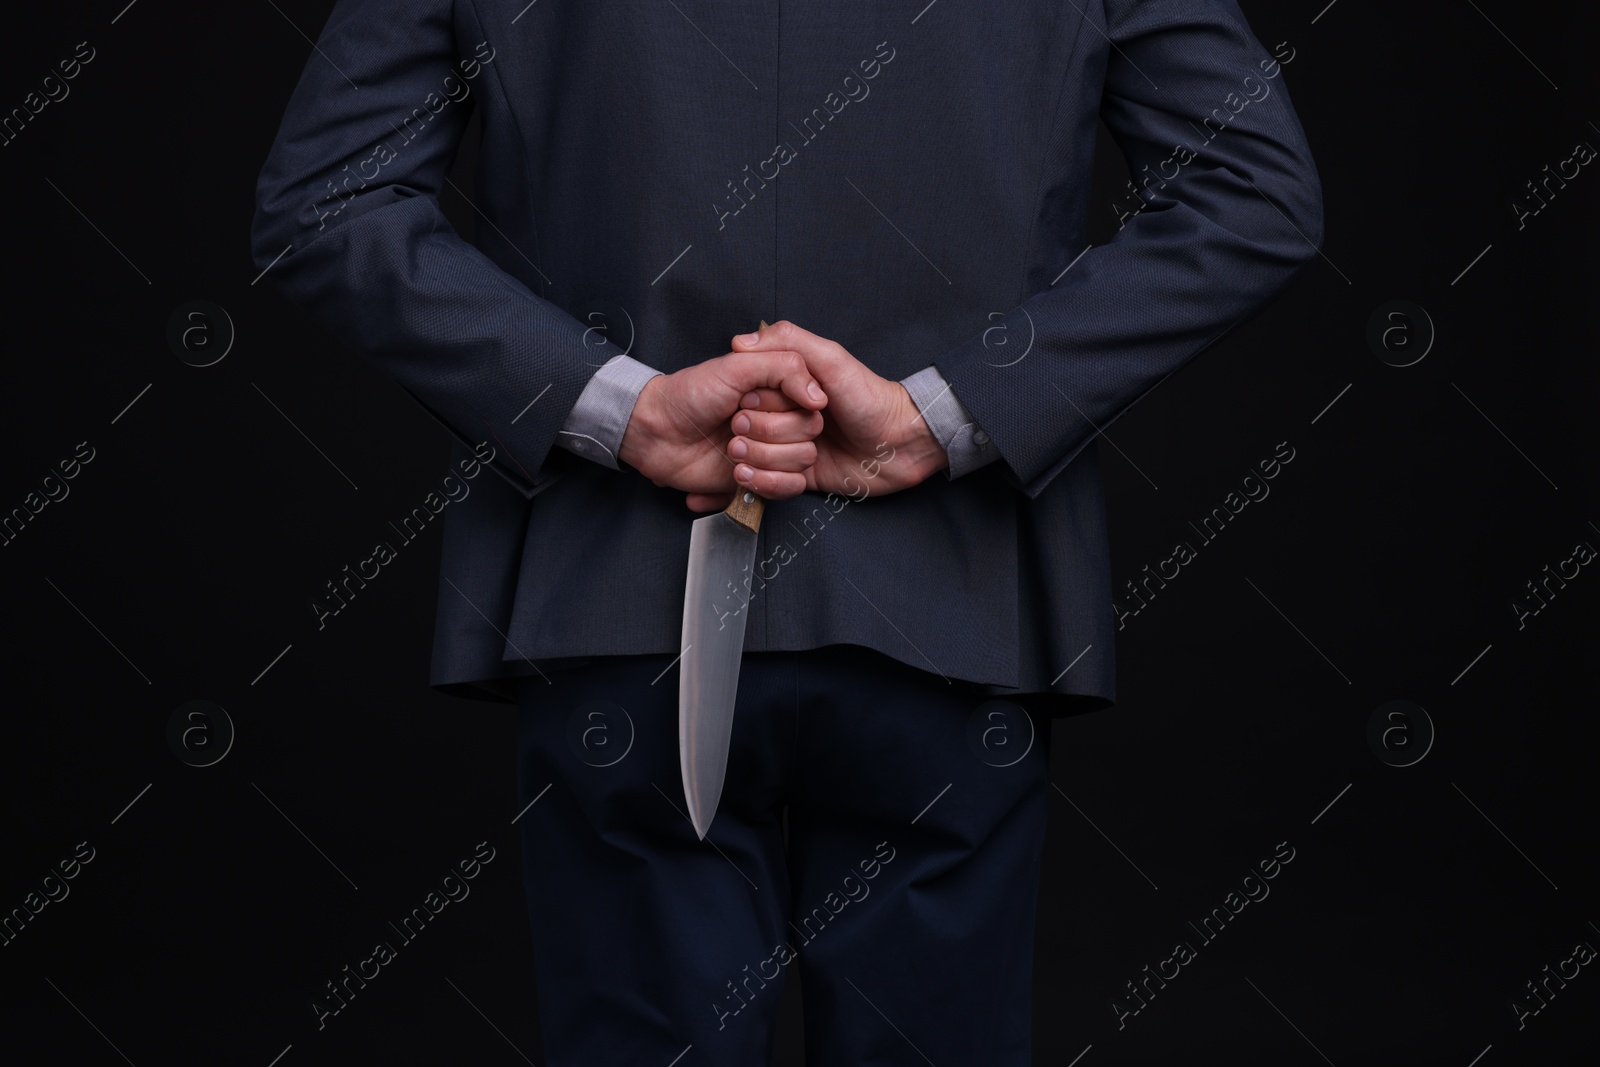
747,506
746,510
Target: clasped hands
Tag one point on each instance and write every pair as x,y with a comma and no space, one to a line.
785,412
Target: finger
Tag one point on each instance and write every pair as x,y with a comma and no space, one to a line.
772,485
768,400
826,360
781,374
777,427
781,369
708,501
759,454
780,335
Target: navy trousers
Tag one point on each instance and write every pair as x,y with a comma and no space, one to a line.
878,837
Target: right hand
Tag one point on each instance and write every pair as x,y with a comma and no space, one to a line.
680,429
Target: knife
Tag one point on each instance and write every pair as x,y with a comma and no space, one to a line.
722,551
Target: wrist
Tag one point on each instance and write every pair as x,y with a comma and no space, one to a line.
923,454
643,427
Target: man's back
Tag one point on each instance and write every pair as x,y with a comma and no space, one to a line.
910,182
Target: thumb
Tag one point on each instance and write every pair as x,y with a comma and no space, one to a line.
827,360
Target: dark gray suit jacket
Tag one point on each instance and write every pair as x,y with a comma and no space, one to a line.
908,179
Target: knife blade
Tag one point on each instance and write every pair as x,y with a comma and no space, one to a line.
722,551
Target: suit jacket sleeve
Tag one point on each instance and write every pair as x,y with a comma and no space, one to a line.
1222,232
348,226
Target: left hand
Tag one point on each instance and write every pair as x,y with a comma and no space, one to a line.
874,440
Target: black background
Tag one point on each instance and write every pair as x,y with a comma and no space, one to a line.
1382,566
